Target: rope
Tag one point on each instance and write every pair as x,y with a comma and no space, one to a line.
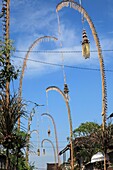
82,15
62,56
47,110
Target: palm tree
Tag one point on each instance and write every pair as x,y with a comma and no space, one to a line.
8,118
17,157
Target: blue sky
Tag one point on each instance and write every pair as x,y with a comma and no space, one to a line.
33,19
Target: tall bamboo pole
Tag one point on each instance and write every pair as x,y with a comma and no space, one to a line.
36,42
28,142
80,9
56,138
29,133
65,96
53,149
7,21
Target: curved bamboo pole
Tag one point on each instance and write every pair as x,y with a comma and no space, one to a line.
46,114
25,63
53,149
28,141
80,9
29,133
69,118
27,56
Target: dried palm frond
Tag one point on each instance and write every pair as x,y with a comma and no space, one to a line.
9,114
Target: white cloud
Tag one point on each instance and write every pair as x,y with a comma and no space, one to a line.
34,20
31,17
69,38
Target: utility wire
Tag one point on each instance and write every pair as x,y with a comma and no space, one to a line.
60,51
68,66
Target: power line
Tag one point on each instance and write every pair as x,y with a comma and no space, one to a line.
54,141
68,66
49,147
60,51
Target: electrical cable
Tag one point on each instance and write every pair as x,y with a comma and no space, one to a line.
60,51
68,66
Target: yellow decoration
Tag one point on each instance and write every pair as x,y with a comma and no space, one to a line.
38,152
85,45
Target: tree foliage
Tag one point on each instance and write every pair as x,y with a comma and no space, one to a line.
86,129
9,114
8,71
89,139
85,145
12,140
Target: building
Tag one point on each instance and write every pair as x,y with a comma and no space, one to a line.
96,161
52,166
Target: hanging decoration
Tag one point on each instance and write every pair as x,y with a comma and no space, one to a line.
85,41
38,152
66,90
43,151
85,45
49,132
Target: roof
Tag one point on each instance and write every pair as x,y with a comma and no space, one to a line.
97,157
